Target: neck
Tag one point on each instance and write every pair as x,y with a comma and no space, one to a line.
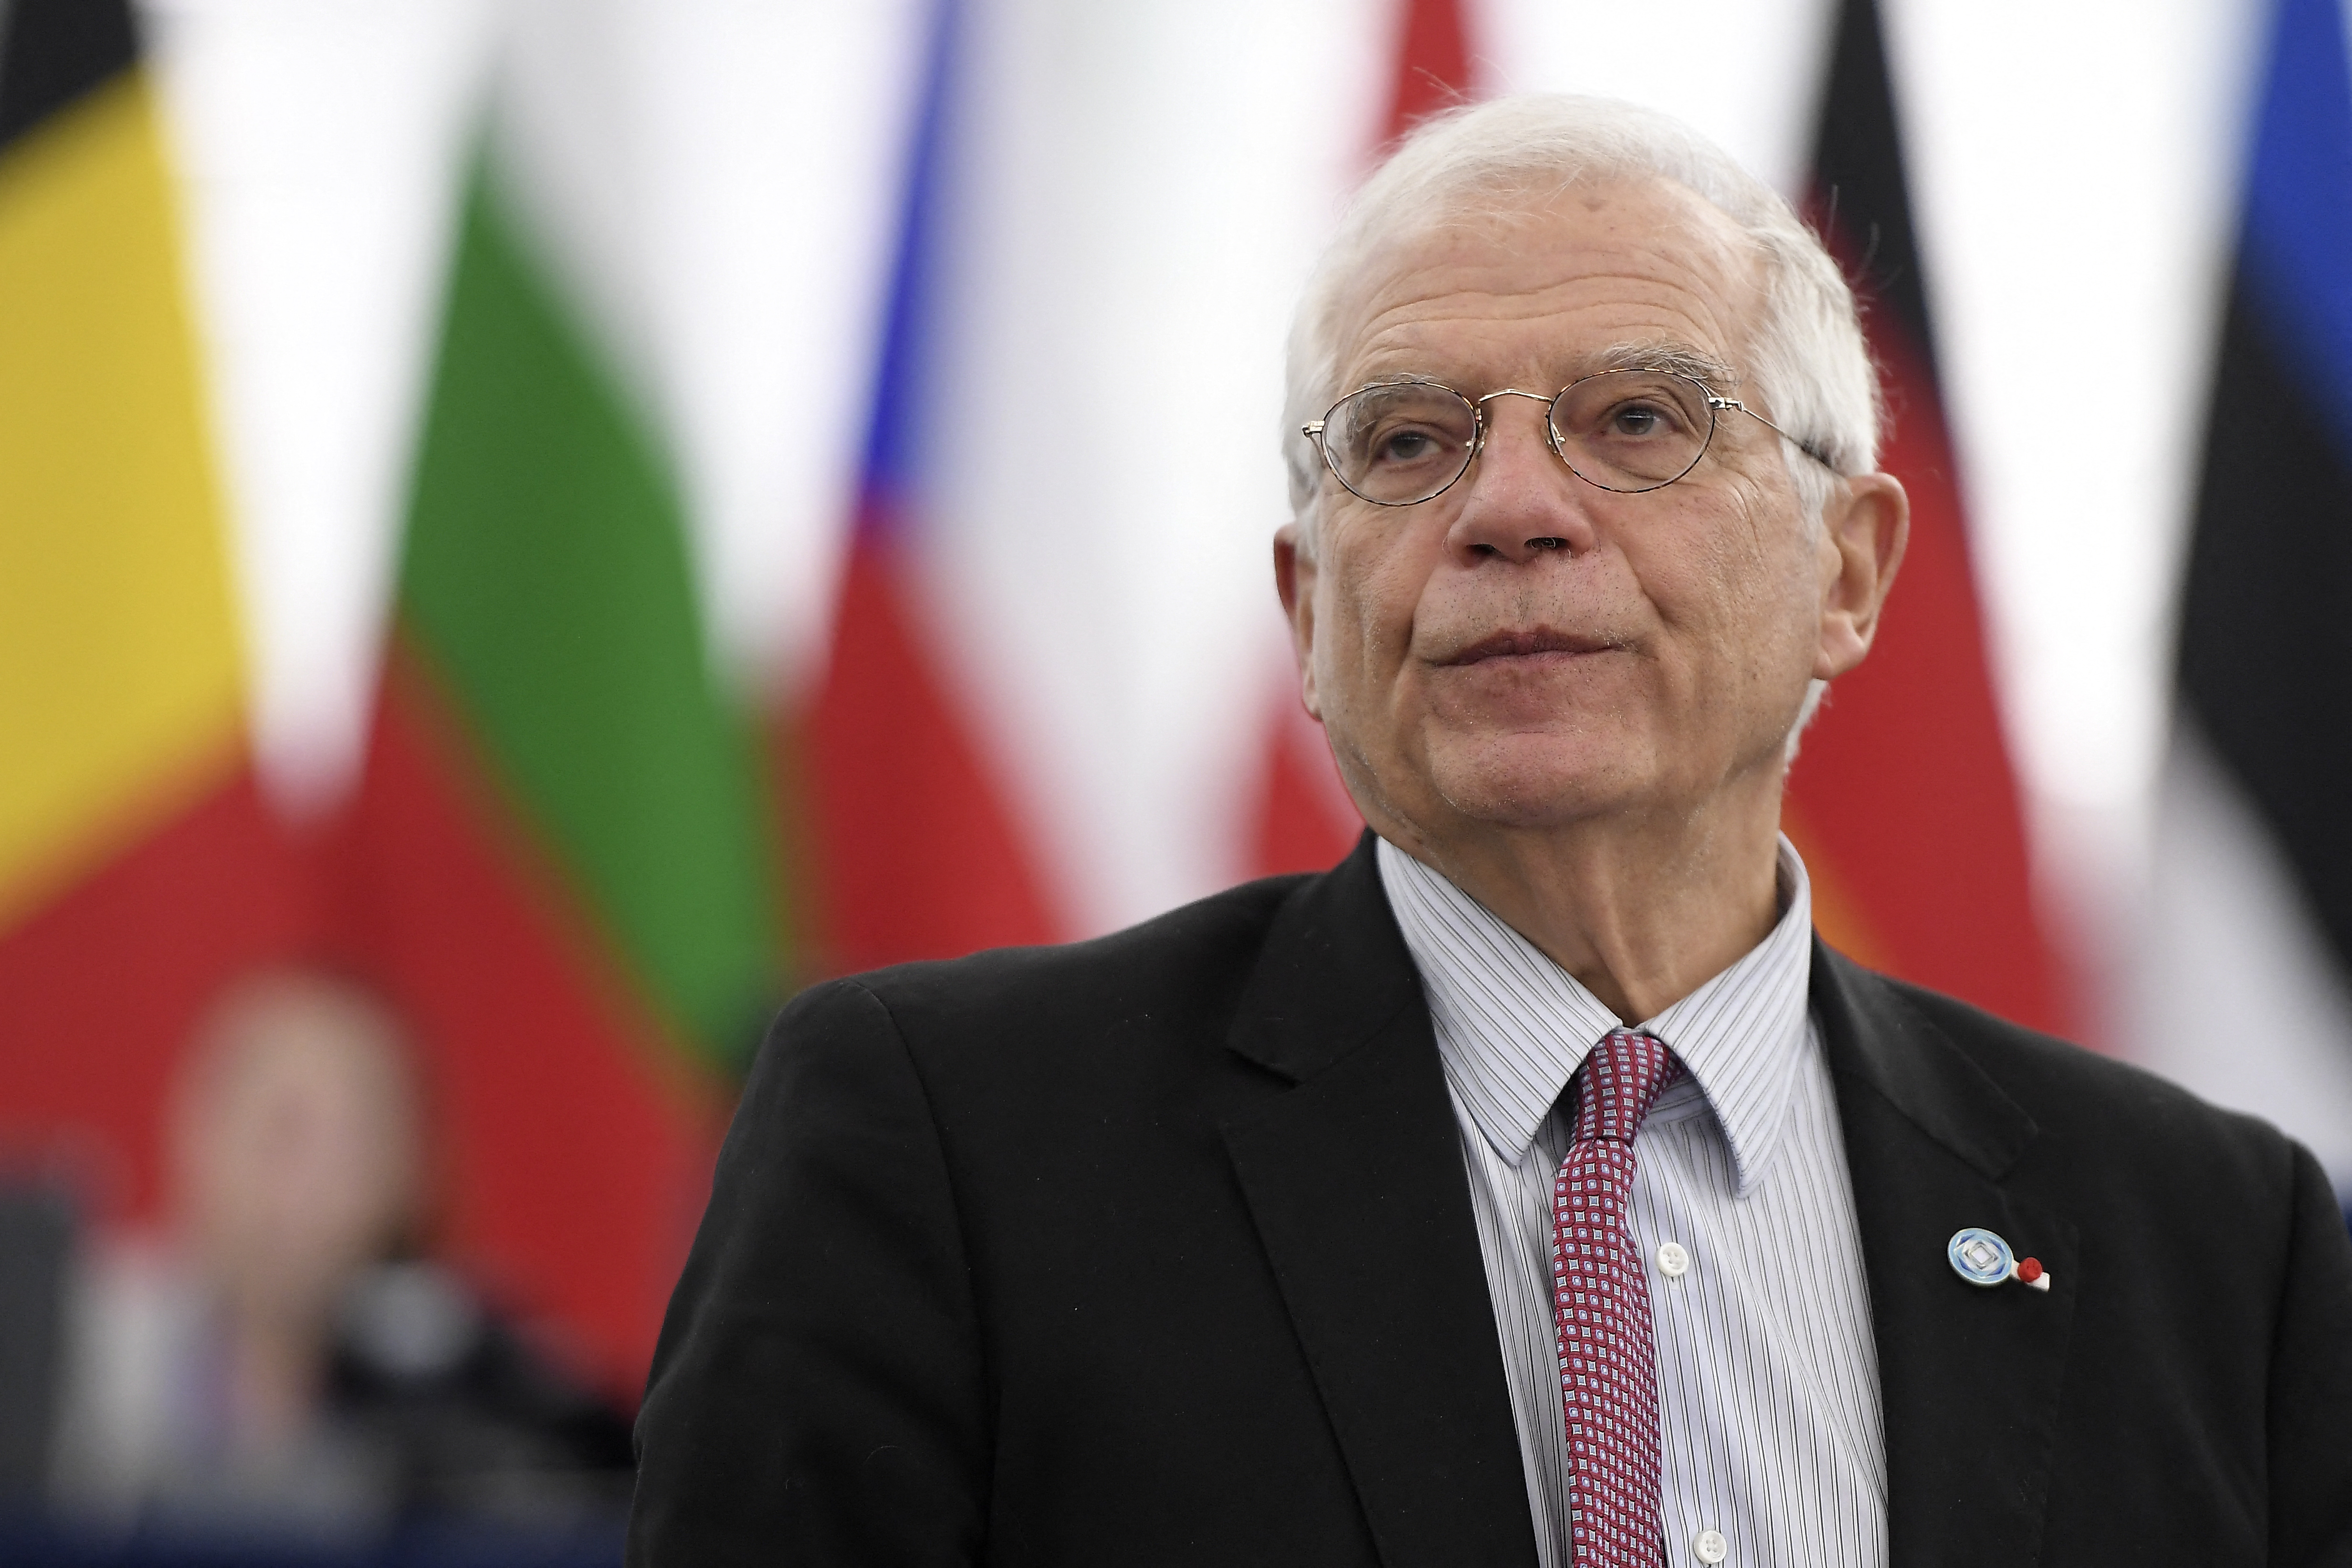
275,1369
1641,908
275,1317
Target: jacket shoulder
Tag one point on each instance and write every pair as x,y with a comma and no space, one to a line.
2088,1100
1188,963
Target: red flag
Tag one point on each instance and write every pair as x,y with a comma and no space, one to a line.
913,848
1433,66
1904,801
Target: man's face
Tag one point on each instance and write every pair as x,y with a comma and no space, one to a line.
1527,650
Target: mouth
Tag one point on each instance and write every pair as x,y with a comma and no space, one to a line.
1533,642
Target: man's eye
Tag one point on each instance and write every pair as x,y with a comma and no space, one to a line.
1638,419
1405,447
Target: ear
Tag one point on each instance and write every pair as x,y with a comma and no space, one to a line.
1294,581
1865,528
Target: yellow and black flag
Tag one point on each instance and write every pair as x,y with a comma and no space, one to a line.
139,869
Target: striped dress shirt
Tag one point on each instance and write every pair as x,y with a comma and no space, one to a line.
1769,1426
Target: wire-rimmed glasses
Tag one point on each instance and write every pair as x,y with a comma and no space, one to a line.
1397,444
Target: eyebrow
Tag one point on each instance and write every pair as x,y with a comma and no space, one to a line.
1646,353
1665,354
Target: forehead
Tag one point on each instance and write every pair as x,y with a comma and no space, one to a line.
1544,290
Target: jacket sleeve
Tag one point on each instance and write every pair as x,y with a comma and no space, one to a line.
2311,1384
817,1396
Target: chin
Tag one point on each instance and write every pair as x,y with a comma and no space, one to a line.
1534,782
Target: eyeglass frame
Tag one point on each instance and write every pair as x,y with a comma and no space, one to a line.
1716,403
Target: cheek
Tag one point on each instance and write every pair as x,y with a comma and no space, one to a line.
1374,588
1741,589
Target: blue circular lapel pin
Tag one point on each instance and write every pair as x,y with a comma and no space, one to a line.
1979,1257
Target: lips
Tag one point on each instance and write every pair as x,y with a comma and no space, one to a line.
1527,643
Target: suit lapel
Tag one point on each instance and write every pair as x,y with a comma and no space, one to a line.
1355,1182
1969,1375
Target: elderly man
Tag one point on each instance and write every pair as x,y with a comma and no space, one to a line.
1533,1187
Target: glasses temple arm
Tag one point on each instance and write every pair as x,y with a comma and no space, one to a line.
1807,447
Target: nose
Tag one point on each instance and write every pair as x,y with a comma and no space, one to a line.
1521,501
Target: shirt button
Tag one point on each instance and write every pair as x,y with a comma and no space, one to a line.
1674,1262
1710,1545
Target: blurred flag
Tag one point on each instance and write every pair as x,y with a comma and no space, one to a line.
556,860
913,849
1903,801
1305,821
2246,992
139,868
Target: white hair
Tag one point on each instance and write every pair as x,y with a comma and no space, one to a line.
1809,364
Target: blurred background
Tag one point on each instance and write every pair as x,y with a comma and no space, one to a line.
529,529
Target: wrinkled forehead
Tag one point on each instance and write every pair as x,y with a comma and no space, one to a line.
1547,285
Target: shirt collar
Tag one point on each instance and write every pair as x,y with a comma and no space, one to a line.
1513,1026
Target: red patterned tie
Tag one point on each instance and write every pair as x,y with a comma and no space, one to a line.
1600,1305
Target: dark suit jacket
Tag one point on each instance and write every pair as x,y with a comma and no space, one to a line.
1158,1250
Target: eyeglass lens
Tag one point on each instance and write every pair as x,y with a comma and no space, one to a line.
1621,430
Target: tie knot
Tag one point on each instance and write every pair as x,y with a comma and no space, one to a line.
1621,1078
